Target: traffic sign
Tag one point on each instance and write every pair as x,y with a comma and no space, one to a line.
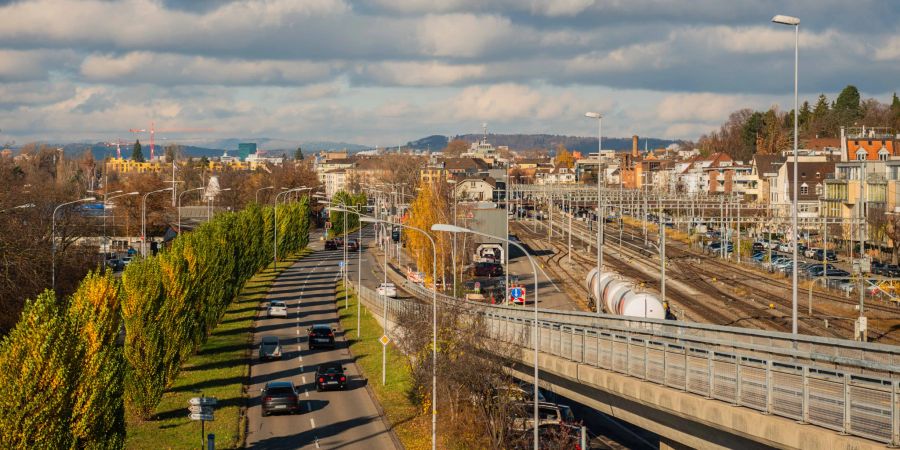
340,264
327,225
204,417
202,401
517,295
384,340
197,409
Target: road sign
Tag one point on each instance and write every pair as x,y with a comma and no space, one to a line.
202,401
197,409
517,295
384,340
204,417
327,225
340,264
477,286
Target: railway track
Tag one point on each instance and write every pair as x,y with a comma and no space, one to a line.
705,274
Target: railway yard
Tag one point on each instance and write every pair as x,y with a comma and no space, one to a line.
700,287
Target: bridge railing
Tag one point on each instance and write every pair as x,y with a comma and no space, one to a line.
846,386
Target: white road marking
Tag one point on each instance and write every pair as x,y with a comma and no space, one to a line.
306,392
317,441
312,422
298,331
303,378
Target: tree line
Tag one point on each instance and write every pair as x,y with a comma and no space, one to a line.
73,367
747,132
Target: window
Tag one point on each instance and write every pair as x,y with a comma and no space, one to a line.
804,189
861,155
819,189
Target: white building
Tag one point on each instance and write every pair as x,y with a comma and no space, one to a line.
335,181
476,189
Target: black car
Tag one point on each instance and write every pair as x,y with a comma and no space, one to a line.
321,336
330,376
330,245
269,348
758,246
486,269
280,397
352,245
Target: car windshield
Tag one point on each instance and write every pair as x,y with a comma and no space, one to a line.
330,369
320,329
269,340
276,304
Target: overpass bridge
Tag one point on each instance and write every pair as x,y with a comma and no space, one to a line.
697,385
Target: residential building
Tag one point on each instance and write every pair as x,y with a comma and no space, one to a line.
475,189
811,182
335,181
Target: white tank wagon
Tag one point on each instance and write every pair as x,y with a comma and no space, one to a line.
619,296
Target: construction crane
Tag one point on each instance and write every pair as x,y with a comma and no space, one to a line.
118,144
152,130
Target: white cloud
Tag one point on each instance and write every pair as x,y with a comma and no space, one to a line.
138,67
464,35
22,65
560,7
889,50
416,73
699,107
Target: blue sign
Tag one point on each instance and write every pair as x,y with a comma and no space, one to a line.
340,264
516,293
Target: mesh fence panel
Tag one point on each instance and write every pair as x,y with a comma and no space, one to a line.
655,367
619,362
724,381
753,387
675,368
787,394
698,375
870,412
826,403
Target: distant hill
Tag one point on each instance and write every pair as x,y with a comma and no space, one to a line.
547,141
211,149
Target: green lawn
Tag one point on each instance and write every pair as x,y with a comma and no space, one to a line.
410,423
219,369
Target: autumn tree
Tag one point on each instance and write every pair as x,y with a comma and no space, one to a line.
429,207
455,148
563,157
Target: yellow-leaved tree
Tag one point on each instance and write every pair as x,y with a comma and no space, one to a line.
429,207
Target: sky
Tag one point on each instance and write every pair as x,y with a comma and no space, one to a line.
383,72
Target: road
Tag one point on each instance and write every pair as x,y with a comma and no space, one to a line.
337,419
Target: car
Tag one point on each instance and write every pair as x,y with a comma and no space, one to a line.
816,269
339,241
330,376
890,270
387,289
330,245
811,252
548,413
758,246
821,254
277,309
270,348
320,335
280,397
839,273
487,269
126,261
352,245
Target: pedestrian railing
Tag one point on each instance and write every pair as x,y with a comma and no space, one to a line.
846,386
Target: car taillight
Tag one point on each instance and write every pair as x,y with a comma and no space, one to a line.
321,380
330,334
267,399
312,335
343,379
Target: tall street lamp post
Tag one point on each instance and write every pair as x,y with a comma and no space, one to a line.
433,323
536,335
262,189
275,222
144,219
601,210
53,238
794,22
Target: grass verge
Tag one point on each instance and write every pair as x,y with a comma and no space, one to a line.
218,369
411,425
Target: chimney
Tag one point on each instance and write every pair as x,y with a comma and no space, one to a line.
634,146
844,155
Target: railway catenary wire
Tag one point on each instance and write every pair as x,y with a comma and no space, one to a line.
749,311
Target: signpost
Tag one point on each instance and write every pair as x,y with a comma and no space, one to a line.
201,408
517,295
384,340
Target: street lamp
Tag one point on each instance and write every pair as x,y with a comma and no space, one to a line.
600,219
275,222
455,229
106,202
262,189
53,237
144,220
359,252
794,22
367,219
27,205
179,205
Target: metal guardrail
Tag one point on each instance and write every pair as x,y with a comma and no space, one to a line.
846,386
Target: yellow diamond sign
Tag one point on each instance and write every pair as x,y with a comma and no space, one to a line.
384,340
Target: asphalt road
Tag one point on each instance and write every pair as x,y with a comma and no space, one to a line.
330,420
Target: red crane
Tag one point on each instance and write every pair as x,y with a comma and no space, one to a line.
152,130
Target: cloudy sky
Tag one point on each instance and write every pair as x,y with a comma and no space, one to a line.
378,72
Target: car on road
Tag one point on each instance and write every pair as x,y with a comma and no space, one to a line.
487,269
352,245
270,348
280,397
888,270
277,309
548,413
387,289
330,376
330,245
320,335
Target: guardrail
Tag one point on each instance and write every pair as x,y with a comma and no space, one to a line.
846,386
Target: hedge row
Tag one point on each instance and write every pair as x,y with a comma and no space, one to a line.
66,377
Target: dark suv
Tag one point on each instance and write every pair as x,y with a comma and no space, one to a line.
486,269
330,376
321,336
279,397
330,245
352,245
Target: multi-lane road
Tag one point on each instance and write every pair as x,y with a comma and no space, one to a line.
346,419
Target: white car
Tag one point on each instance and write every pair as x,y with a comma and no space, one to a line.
387,290
277,309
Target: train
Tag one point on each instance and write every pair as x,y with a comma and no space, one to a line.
619,296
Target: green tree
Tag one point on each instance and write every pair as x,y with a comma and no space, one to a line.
35,378
204,162
298,154
751,129
136,153
805,115
846,107
821,109
895,111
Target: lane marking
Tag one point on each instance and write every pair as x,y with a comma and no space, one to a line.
317,441
312,422
306,392
303,378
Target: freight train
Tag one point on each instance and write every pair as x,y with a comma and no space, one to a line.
620,297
